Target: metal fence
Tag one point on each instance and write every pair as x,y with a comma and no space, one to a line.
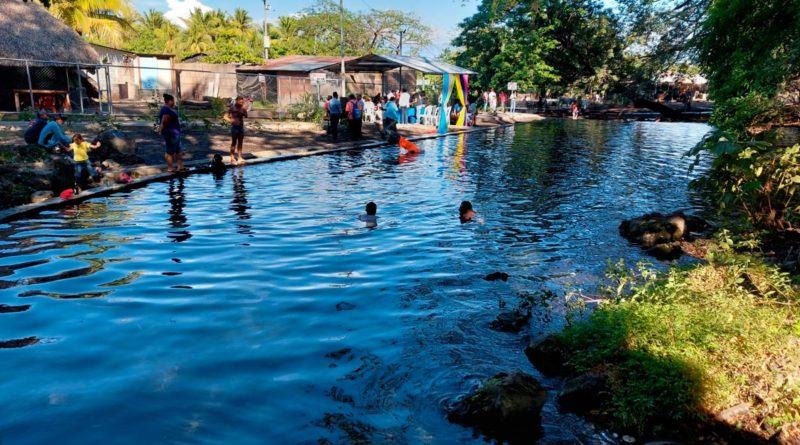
133,90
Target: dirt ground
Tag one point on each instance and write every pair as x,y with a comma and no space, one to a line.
200,143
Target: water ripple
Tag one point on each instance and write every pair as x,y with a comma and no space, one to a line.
256,305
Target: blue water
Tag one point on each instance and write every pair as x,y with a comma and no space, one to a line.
255,308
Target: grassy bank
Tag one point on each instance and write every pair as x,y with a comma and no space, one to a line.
681,346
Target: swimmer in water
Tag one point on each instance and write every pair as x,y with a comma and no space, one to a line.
370,217
466,213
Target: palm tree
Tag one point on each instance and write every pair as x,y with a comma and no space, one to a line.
241,22
101,20
165,31
198,34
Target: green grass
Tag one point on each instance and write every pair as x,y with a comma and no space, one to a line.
685,344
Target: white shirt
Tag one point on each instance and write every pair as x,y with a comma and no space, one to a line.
405,99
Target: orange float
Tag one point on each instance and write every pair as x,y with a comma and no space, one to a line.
408,145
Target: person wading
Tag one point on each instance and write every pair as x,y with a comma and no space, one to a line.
170,130
236,114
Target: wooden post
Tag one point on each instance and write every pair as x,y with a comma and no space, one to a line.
66,100
30,84
80,86
108,91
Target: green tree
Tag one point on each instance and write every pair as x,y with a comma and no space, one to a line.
153,33
103,21
316,32
750,50
543,45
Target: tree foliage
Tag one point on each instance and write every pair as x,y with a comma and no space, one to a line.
102,21
542,44
316,31
224,38
750,50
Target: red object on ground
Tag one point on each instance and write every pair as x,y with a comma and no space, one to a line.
124,178
408,145
66,194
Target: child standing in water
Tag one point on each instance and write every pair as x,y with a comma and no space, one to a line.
370,217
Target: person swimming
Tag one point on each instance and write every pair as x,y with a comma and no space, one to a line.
466,213
370,217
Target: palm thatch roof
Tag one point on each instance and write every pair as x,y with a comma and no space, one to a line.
28,31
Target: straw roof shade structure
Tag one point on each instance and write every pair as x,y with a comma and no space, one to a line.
28,31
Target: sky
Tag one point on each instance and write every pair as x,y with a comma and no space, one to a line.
443,16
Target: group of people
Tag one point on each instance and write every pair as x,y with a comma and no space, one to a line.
491,97
386,110
466,214
49,133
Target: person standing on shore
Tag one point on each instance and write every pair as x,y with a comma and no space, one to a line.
354,111
403,103
170,129
502,101
328,114
335,111
485,100
236,115
492,100
513,98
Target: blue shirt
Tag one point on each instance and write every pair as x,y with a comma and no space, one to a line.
52,134
335,106
392,112
174,124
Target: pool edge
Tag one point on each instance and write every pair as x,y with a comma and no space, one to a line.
25,210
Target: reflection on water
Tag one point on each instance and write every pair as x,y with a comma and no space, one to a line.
177,217
239,203
275,316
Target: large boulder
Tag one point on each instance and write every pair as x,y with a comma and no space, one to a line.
661,234
584,394
41,196
507,408
511,321
654,228
117,140
63,174
548,355
117,146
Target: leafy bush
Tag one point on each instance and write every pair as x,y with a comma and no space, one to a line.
307,110
690,342
755,178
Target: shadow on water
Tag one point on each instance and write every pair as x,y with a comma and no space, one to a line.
177,216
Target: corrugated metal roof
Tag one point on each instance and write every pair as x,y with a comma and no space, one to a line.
300,64
379,63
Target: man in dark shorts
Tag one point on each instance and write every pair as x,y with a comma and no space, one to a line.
236,114
170,129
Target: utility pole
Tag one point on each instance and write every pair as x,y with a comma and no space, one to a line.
400,53
341,42
266,30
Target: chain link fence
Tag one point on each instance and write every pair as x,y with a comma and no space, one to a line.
134,89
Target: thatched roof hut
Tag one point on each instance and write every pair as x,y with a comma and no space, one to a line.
28,31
